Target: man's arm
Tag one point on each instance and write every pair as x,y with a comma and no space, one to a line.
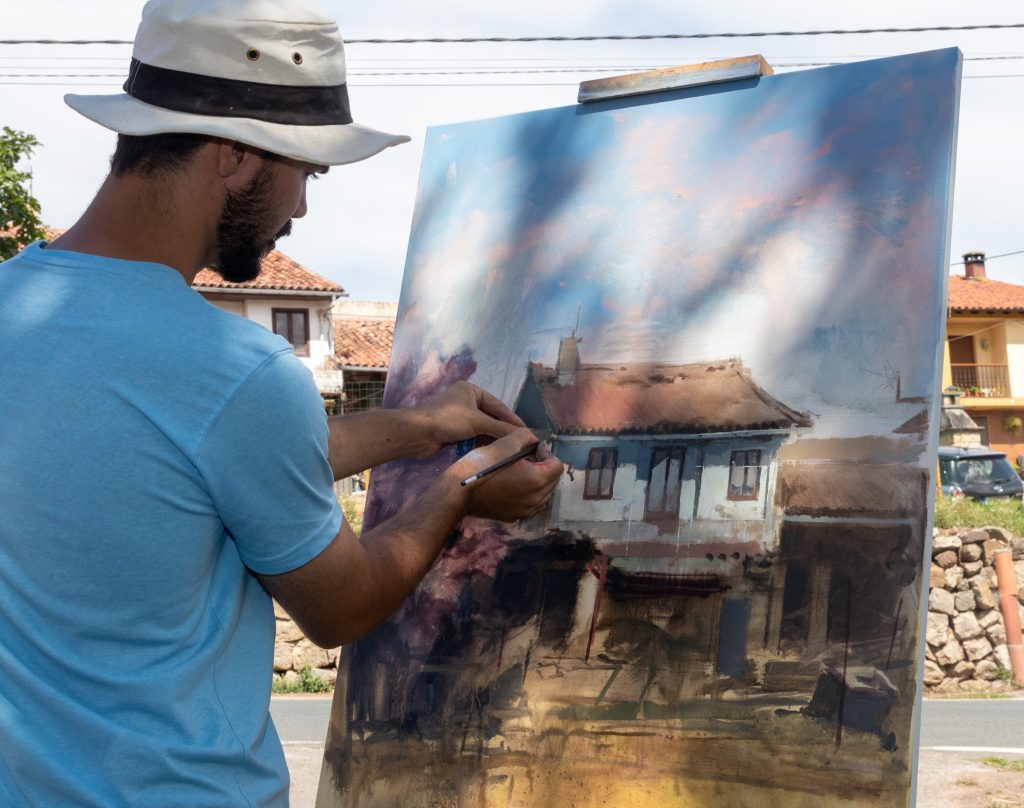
363,440
355,583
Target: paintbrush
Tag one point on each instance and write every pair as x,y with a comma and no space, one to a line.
508,461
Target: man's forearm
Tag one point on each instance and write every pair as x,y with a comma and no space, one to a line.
363,440
403,549
357,582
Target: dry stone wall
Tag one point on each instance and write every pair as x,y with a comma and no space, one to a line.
965,638
293,652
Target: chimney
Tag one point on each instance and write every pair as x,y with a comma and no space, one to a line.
974,265
568,359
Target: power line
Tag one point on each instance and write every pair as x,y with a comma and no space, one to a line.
498,71
589,38
991,257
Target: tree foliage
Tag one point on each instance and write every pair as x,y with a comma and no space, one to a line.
19,210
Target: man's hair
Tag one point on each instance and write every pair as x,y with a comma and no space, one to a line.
155,154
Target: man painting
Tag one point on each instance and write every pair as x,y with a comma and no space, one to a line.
167,466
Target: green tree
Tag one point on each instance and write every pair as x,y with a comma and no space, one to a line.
19,210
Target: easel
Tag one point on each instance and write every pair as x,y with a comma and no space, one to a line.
674,78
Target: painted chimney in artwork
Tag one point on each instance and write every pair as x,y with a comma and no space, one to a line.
569,355
974,265
568,360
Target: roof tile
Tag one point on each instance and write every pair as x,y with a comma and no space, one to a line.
277,272
363,342
984,295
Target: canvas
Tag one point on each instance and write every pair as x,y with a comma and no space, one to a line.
723,309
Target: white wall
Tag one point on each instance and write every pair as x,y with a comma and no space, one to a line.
1015,357
258,309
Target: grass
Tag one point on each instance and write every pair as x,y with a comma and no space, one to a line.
1004,513
353,511
306,683
966,781
966,694
1004,764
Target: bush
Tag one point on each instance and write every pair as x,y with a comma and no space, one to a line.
1004,513
307,682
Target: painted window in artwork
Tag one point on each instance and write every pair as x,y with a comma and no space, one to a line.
293,325
745,474
600,473
665,481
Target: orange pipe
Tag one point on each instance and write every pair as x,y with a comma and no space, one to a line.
1007,581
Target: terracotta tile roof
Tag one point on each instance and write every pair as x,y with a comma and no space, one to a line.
984,295
363,342
646,398
278,272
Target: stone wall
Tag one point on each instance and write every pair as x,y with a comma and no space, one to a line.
293,652
966,640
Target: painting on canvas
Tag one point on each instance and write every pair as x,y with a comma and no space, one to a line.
723,309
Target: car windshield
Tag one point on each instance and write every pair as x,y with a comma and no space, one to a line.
984,470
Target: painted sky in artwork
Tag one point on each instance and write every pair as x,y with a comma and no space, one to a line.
797,223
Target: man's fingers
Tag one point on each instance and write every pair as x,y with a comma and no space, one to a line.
493,406
486,425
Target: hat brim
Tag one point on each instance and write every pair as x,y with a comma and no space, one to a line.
320,145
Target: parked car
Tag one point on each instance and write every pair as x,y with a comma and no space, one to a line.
979,473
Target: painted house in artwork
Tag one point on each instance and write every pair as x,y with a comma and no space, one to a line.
668,460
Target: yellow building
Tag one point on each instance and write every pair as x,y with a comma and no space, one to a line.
985,353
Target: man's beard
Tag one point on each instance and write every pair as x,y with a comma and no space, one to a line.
241,230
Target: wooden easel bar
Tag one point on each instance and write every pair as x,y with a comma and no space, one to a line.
674,78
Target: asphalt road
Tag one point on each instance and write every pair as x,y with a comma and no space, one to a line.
994,726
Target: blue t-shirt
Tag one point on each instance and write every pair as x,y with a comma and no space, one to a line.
154,450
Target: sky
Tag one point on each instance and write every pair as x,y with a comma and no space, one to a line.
357,228
795,223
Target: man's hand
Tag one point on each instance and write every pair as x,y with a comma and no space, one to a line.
463,412
516,491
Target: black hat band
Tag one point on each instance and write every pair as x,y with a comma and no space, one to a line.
230,98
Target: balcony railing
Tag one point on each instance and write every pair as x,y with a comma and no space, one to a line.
982,381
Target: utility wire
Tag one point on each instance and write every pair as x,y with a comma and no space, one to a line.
501,71
990,257
593,38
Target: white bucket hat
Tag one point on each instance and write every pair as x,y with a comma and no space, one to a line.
268,73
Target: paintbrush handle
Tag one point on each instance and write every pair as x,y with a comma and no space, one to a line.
508,461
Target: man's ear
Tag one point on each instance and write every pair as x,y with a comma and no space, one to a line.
237,164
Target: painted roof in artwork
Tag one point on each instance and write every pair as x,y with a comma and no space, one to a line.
978,295
363,342
645,398
868,490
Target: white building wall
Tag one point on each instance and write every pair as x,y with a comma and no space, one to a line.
1015,357
234,306
320,340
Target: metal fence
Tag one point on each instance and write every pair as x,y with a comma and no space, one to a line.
982,380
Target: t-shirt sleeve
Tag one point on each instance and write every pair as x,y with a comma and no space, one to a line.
264,459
